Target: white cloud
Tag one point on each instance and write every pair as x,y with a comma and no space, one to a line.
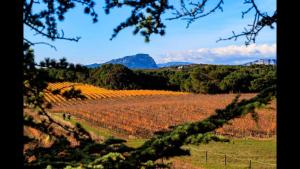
232,54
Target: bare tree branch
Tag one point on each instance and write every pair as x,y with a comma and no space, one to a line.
40,43
44,22
197,11
260,21
52,37
193,11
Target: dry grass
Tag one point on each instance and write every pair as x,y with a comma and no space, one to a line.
44,139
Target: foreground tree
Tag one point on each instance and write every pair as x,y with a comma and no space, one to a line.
146,19
146,16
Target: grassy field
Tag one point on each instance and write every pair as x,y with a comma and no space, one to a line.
239,152
102,133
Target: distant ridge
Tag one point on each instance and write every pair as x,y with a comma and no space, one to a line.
94,65
262,62
169,64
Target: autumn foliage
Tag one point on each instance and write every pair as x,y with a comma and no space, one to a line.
93,93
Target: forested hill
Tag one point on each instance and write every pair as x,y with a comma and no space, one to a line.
194,78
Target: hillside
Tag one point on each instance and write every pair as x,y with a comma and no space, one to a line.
91,92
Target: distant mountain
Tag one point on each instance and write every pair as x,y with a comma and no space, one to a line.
138,61
262,62
169,64
94,65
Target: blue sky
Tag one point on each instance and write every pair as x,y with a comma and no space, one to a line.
196,44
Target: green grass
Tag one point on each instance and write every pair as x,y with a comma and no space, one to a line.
102,132
135,142
238,152
97,131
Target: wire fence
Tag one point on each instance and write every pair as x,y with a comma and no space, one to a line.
230,161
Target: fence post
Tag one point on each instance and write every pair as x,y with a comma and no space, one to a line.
225,160
206,156
250,164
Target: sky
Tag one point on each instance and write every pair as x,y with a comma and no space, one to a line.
195,44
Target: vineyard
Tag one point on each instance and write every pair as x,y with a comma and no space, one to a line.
135,115
93,93
150,111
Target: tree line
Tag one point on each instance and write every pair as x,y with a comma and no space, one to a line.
208,79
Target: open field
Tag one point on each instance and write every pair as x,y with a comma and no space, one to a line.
239,151
141,116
